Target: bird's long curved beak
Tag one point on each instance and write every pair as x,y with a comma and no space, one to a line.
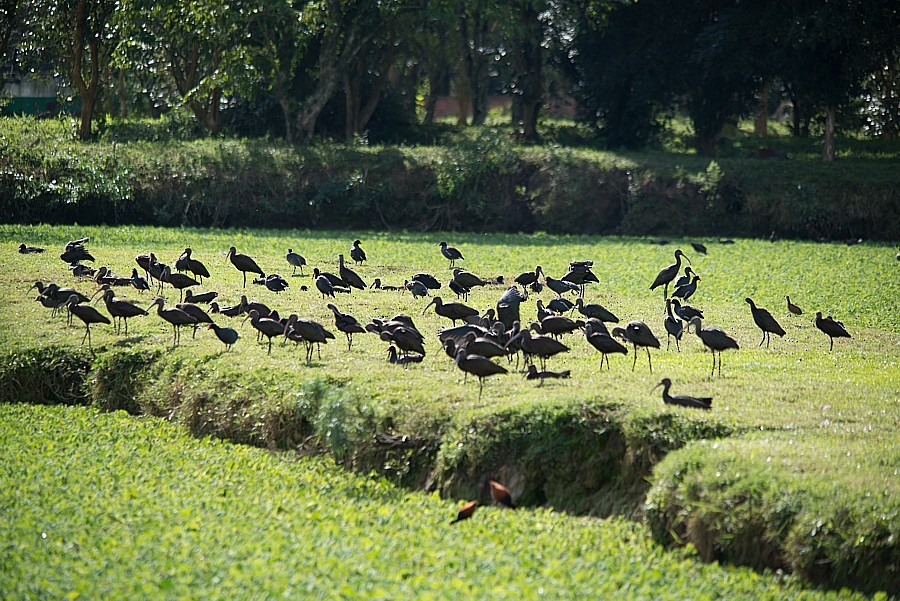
426,306
655,387
513,339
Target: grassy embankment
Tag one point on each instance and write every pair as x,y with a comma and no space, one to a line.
584,444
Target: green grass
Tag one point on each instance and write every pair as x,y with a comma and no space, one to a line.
126,508
845,398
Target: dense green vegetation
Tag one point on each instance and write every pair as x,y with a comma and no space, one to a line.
476,182
125,508
585,445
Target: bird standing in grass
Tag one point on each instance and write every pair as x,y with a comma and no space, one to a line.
831,328
87,314
501,494
765,322
357,253
792,308
244,263
451,253
228,336
667,274
638,334
295,260
715,339
465,512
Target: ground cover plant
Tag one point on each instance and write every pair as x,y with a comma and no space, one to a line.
118,507
585,444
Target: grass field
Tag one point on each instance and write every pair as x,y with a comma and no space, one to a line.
797,397
123,508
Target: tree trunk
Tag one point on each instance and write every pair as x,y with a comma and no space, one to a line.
87,87
761,125
528,60
463,93
828,142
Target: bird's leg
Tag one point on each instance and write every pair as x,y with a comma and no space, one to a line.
86,334
677,345
720,364
648,359
712,373
763,340
269,352
633,363
349,341
668,341
831,348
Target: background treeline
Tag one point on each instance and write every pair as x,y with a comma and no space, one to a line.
350,68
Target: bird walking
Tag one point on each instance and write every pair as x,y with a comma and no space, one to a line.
765,322
478,366
350,276
603,342
452,311
174,316
667,274
682,399
674,327
347,324
295,260
501,494
638,334
228,336
792,308
465,512
87,314
831,328
451,253
715,339
244,263
529,277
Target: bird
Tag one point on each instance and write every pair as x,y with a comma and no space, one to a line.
295,260
529,277
684,279
349,276
479,345
831,328
427,280
478,366
764,321
715,339
203,297
556,325
324,286
465,512
29,250
121,309
534,374
265,326
561,305
416,287
792,308
139,282
595,310
542,347
604,343
462,293
357,253
187,263
76,254
347,324
674,327
638,334
685,312
667,274
682,399
451,253
687,291
700,248
174,316
560,287
244,263
408,339
394,358
467,279
177,280
273,281
228,336
196,312
377,285
309,332
60,295
87,314
452,311
580,274
501,494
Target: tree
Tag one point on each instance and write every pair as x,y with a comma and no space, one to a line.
8,20
526,37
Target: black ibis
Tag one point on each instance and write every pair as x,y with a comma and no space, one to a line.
684,279
202,297
347,324
232,311
580,274
76,254
451,253
667,274
462,293
685,312
603,342
427,280
831,328
349,276
542,311
416,287
479,345
595,310
174,316
467,279
465,512
60,295
700,248
273,282
29,250
501,494
407,339
682,399
529,277
357,253
687,291
82,271
87,314
265,326
560,305
557,325
560,287
196,312
309,331
452,311
335,280
638,334
478,366
508,306
188,263
674,327
105,275
542,347
396,359
792,308
295,260
244,263
324,286
377,285
715,339
764,321
139,282
177,280
261,308
534,374
121,309
228,336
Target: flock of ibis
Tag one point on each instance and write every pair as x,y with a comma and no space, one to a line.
476,341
